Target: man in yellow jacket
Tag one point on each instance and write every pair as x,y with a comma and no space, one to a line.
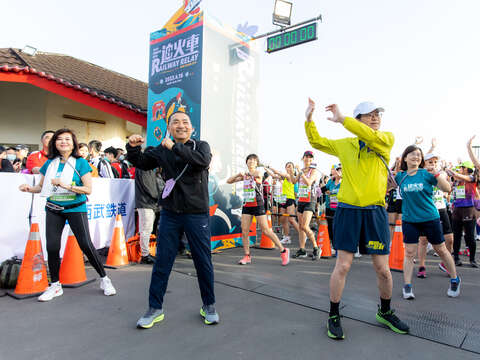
360,220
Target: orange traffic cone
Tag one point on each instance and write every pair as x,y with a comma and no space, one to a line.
323,238
72,271
32,279
117,254
397,251
265,241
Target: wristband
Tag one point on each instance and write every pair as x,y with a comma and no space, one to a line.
437,175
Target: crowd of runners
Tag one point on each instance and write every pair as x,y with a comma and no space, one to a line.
362,199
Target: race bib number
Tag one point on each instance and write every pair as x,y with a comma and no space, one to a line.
303,192
248,191
460,192
397,194
333,201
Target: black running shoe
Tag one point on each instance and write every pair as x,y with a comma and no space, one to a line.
458,262
473,264
334,328
392,321
316,254
149,259
301,253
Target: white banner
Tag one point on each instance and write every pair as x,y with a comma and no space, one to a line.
109,197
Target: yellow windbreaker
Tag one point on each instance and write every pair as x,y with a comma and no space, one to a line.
364,176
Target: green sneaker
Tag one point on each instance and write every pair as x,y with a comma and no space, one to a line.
151,317
209,314
334,328
392,321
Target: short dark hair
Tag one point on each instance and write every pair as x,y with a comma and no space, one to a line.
11,148
120,149
252,156
179,112
52,148
95,145
408,150
111,150
81,145
289,162
2,149
46,132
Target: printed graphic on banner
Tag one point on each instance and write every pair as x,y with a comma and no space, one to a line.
175,75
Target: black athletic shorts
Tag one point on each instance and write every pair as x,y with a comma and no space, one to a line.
304,206
394,206
254,210
431,229
287,203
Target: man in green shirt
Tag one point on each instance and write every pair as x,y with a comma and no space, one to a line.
360,219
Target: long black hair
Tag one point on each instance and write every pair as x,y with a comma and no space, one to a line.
52,148
408,150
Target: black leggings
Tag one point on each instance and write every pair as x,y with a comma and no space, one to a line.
78,222
469,227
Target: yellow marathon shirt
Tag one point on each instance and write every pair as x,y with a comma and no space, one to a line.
364,175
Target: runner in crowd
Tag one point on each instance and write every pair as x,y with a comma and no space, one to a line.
306,179
331,190
65,181
37,158
439,198
84,153
103,166
464,216
254,206
360,219
394,203
420,215
5,165
286,200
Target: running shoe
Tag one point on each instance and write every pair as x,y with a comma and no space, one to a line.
454,289
473,264
285,257
247,259
286,240
301,253
151,317
334,328
54,290
357,255
149,260
392,321
209,314
458,262
408,292
107,287
316,254
422,272
442,267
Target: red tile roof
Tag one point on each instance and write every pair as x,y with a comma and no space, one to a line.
81,75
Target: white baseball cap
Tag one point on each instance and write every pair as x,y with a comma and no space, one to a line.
430,156
366,107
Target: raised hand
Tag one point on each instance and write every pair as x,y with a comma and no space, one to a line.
337,115
418,140
135,140
310,109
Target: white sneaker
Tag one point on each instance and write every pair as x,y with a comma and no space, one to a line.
357,255
286,240
408,293
107,287
54,290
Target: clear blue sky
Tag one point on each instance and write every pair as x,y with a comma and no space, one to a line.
418,59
